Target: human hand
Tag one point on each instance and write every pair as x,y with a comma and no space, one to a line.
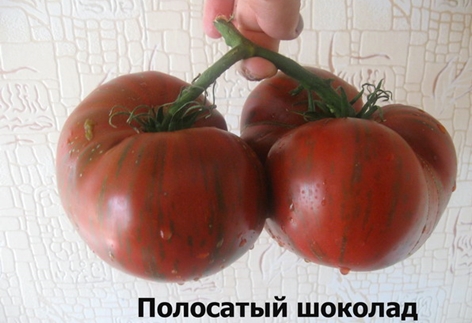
264,22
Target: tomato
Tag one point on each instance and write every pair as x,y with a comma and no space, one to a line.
360,194
166,206
434,149
271,109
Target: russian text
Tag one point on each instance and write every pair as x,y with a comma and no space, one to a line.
358,310
147,308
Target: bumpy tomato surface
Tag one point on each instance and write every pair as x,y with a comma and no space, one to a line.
271,109
434,149
169,206
361,194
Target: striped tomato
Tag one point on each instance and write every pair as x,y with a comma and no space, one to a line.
361,194
166,206
273,108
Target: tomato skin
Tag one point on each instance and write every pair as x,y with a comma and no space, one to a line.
435,150
171,206
354,194
270,110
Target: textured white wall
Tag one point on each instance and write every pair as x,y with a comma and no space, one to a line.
53,53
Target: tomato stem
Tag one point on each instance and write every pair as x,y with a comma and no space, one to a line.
336,102
184,111
333,101
208,77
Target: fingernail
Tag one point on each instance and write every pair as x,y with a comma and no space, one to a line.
247,74
300,26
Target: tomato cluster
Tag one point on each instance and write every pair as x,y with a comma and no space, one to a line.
176,205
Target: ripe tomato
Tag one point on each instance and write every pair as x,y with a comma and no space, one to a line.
434,149
168,206
271,109
360,194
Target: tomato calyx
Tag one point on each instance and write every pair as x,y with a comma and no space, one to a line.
168,117
376,93
144,118
319,109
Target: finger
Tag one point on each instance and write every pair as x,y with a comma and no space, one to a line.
255,69
279,19
213,9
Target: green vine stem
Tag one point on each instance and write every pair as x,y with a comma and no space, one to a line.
208,77
337,103
333,102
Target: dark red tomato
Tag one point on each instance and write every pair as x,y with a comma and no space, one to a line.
360,194
169,206
271,109
434,149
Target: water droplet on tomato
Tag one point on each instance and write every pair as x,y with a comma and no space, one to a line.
111,255
174,271
292,207
323,201
165,233
251,247
307,260
344,270
454,187
220,243
203,255
242,242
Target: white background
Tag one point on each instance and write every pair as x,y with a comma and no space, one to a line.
53,53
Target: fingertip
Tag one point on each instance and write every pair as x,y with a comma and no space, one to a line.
280,19
300,26
213,9
256,69
286,31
